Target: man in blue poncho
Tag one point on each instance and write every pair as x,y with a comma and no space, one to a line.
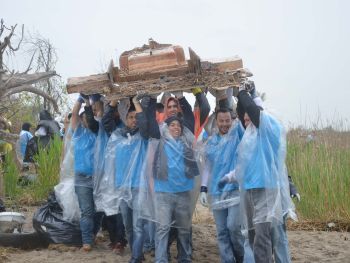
84,145
25,137
220,159
127,148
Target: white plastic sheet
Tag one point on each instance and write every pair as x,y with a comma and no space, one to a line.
261,173
170,179
220,157
125,154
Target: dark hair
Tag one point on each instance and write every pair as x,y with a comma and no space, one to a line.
26,126
172,98
131,109
69,116
81,115
222,110
160,106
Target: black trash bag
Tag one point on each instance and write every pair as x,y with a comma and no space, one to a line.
52,228
2,206
32,147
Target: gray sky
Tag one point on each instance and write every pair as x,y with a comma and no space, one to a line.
298,51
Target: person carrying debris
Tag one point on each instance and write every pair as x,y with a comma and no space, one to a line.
201,109
170,177
84,145
115,226
220,155
261,174
126,151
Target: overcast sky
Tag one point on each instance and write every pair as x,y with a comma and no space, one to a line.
298,51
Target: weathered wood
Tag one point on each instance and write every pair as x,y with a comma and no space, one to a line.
77,85
221,64
190,64
196,60
116,75
3,71
110,72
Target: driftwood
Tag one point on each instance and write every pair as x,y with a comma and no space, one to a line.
191,74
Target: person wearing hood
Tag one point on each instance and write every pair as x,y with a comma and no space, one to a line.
173,107
47,125
84,144
172,172
126,151
25,137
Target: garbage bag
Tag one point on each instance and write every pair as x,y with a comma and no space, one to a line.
125,154
2,206
51,226
261,173
33,147
170,179
220,158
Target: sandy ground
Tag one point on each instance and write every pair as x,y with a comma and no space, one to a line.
304,246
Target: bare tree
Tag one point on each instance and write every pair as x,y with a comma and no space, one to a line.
12,82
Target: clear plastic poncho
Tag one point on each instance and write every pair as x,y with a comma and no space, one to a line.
76,169
170,179
124,158
261,173
220,158
99,166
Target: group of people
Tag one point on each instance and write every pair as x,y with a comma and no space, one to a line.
142,165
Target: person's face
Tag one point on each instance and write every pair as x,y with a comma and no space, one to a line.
94,111
247,120
131,120
172,108
224,122
175,128
83,121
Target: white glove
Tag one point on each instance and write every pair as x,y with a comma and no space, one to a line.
297,196
177,93
204,199
247,85
140,95
231,176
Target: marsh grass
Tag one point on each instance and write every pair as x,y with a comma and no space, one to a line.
321,171
48,169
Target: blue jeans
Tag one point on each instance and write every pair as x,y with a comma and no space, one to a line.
280,242
248,252
228,231
91,221
116,229
133,226
149,227
173,207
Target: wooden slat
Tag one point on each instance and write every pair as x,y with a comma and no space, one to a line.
110,71
77,85
196,60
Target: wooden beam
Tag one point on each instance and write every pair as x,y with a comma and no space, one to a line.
196,60
221,64
110,72
77,85
116,75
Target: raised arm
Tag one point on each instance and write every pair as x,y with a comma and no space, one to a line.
204,107
92,123
188,114
75,112
153,127
141,117
107,118
249,106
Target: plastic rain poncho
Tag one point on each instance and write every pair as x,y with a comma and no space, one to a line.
170,179
76,169
125,154
220,158
261,172
99,165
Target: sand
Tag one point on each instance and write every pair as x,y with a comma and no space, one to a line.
305,246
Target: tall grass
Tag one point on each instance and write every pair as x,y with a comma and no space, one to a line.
11,178
321,172
48,169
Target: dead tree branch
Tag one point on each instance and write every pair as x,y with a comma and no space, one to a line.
35,91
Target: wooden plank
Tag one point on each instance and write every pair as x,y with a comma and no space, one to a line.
77,85
221,64
116,75
110,71
196,60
